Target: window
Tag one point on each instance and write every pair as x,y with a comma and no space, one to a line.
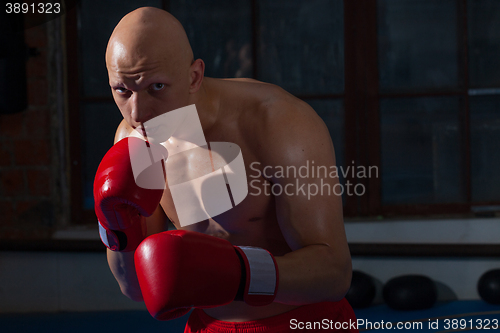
437,104
422,104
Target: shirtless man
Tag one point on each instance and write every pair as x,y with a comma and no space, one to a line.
152,71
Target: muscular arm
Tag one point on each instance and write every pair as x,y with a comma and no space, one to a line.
122,263
319,266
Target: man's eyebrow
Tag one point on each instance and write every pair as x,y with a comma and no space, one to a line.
158,79
116,84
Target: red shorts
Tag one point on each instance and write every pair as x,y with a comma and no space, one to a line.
319,317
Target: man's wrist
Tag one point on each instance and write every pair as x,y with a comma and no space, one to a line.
260,276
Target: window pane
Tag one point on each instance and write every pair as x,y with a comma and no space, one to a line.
485,147
484,42
301,45
417,46
99,127
220,33
421,150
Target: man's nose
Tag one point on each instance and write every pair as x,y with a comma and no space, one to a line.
141,110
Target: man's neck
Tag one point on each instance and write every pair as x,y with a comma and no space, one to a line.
207,104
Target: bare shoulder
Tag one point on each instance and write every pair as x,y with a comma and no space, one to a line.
284,113
243,79
122,131
282,123
274,107
272,120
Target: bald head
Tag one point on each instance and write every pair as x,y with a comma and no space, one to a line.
148,36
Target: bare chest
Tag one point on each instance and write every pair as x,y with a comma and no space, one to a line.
251,221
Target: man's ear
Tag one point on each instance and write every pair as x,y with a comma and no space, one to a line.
197,72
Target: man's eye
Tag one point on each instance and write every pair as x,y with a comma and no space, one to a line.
120,90
158,86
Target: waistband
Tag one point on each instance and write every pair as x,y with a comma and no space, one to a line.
336,311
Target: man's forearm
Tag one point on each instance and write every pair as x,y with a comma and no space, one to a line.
123,268
308,275
122,263
313,274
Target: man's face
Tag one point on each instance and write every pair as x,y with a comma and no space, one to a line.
145,88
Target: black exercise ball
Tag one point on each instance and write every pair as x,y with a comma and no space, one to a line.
362,291
410,292
488,286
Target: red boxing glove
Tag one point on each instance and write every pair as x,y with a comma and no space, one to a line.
181,269
120,204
